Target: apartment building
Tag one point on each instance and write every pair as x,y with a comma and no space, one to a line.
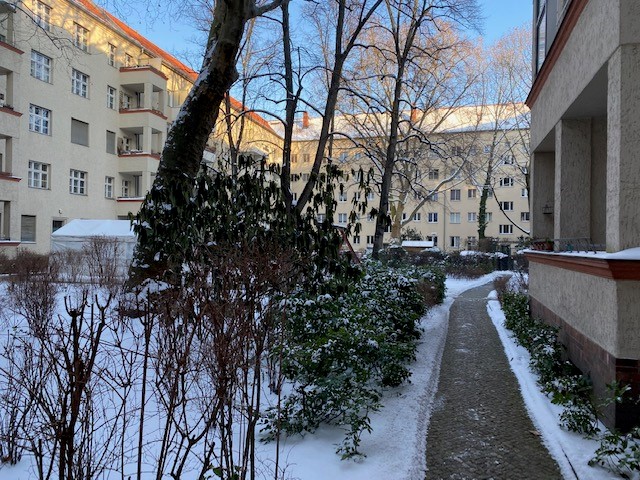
441,202
85,105
585,138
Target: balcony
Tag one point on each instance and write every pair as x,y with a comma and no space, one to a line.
142,117
128,204
142,74
136,161
9,121
10,56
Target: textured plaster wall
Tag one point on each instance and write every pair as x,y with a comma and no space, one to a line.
542,193
572,179
593,40
589,305
629,319
598,179
623,133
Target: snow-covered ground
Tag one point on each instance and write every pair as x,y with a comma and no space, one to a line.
396,447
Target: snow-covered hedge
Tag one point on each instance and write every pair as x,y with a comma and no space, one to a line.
341,352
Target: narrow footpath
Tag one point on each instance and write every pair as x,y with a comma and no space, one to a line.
479,427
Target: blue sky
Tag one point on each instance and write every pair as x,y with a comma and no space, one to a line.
173,35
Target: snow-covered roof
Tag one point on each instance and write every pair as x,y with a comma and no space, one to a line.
440,120
95,228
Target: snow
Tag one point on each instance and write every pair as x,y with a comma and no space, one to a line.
396,447
628,254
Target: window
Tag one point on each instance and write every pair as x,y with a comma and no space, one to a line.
506,182
28,228
472,241
434,174
506,229
541,33
79,132
111,55
404,216
432,197
38,175
78,182
342,197
128,60
56,225
432,217
356,197
472,193
40,66
321,217
488,217
371,196
342,218
79,83
111,142
524,192
457,150
81,37
369,239
306,158
455,194
472,217
111,97
294,196
524,216
125,101
506,206
126,188
342,158
508,159
41,14
487,149
454,241
434,239
39,119
108,187
294,158
356,240
305,177
454,217
417,217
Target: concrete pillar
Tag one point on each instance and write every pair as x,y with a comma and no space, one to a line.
623,145
9,145
541,183
147,96
147,139
572,213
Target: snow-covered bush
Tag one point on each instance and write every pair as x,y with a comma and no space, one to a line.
340,352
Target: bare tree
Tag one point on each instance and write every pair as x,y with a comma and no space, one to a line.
410,65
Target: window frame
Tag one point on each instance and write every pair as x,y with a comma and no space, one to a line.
112,97
78,180
109,183
454,218
432,217
505,229
80,37
455,195
41,14
38,175
112,53
79,83
39,119
23,237
41,63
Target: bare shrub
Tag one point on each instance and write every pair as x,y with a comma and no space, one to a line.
33,289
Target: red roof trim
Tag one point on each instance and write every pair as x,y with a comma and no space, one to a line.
11,47
10,111
566,27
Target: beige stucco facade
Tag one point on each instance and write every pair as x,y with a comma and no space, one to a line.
106,96
585,138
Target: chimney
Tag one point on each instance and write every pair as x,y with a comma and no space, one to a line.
414,114
305,119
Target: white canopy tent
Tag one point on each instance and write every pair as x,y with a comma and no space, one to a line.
77,235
